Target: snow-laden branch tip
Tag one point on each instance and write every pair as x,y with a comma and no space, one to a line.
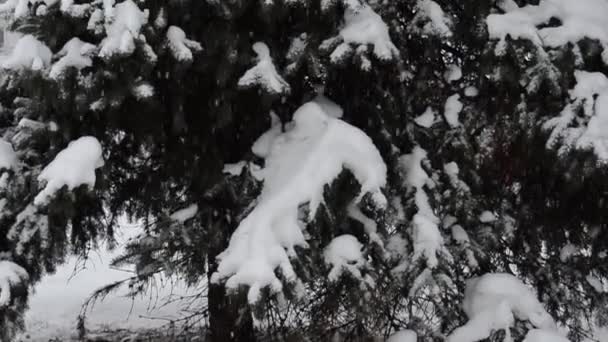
430,19
72,167
181,47
264,73
300,162
11,275
123,29
362,26
76,54
8,157
28,53
427,239
344,254
578,20
493,301
589,131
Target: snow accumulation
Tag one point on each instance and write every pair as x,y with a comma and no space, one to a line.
181,47
454,73
72,167
403,336
301,161
431,20
487,217
426,236
122,28
28,53
11,274
344,253
8,157
540,335
579,19
185,214
426,119
363,26
590,95
452,108
263,145
493,301
264,73
75,53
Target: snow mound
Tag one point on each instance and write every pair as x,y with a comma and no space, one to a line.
344,254
264,73
72,167
309,155
181,47
11,274
125,23
431,20
493,301
579,19
426,119
403,336
28,53
8,157
75,53
363,26
589,95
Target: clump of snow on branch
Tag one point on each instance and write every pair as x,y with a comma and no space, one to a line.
28,53
403,336
426,119
11,275
579,19
185,214
426,236
264,73
362,26
344,254
301,161
542,335
72,167
123,27
76,54
452,109
8,157
431,20
28,224
493,302
181,47
589,131
72,9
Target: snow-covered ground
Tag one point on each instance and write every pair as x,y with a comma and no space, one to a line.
56,303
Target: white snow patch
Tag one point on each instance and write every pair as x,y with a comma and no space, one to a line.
28,53
311,154
471,91
403,336
363,26
344,253
75,53
591,130
454,73
493,301
181,47
431,20
264,73
452,108
8,157
123,29
579,19
72,167
185,214
11,275
487,217
541,335
426,119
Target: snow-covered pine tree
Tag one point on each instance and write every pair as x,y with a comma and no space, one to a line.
342,168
